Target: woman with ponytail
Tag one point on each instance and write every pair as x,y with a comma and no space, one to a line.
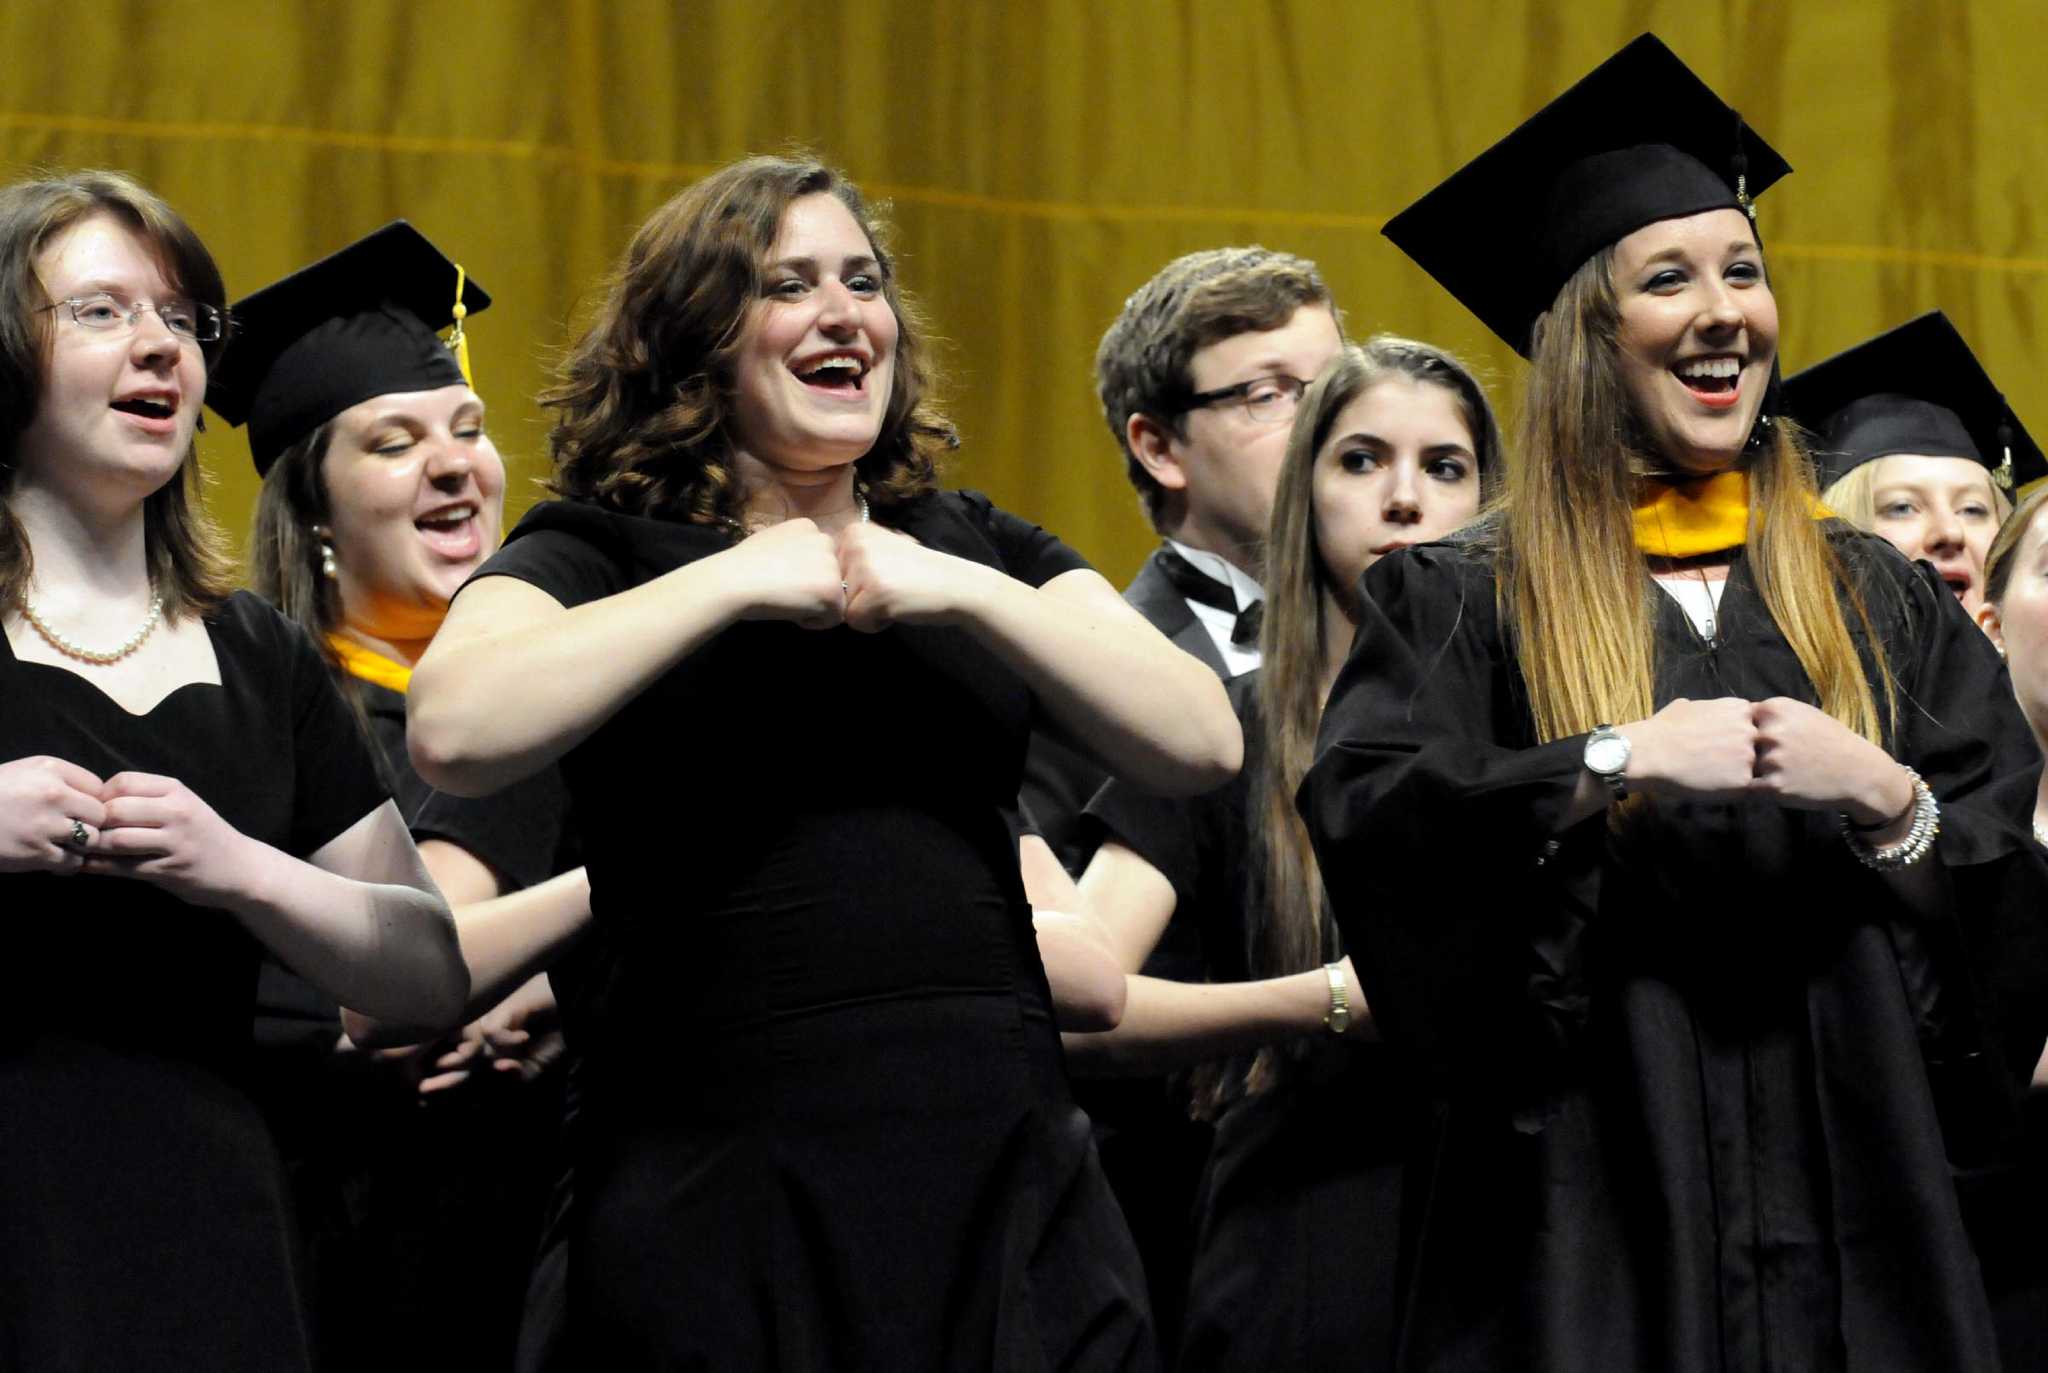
1649,807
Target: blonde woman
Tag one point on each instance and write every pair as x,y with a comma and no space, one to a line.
1648,814
1915,442
1394,445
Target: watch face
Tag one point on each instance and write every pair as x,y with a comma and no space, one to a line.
1607,756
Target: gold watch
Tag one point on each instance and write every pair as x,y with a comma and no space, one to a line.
1338,1018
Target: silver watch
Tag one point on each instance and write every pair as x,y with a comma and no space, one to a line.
1607,750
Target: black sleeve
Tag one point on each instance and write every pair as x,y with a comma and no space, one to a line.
564,549
1165,833
335,777
1427,774
515,832
1028,553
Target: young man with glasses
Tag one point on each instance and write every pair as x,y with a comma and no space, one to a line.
1199,376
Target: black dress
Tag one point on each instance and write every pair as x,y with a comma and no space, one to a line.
1295,1221
142,1210
418,1222
1699,1092
826,1121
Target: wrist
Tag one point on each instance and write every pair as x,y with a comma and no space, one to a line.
1342,1005
976,592
250,882
1610,757
1886,805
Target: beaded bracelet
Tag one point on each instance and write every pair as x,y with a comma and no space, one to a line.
1908,851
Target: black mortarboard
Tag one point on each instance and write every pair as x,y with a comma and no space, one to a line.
1639,139
358,323
1914,389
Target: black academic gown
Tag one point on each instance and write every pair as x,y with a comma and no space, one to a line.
1697,1094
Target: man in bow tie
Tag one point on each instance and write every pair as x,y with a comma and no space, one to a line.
1199,376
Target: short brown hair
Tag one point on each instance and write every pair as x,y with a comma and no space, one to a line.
186,552
644,399
2002,556
1141,366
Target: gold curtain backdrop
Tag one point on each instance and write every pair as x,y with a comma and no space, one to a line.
1041,159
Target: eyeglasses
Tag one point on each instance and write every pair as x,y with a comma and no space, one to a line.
1267,400
188,319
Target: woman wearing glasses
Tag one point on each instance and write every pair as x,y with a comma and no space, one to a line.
182,789
827,1123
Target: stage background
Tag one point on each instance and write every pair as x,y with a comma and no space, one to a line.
1042,159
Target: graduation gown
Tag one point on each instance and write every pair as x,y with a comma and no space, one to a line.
1696,1095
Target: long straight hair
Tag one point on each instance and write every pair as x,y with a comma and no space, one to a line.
1574,589
1289,924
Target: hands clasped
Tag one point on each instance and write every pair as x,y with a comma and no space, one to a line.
1786,750
865,577
58,817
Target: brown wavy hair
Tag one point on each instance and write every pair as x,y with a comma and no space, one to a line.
184,549
644,400
1290,928
1574,589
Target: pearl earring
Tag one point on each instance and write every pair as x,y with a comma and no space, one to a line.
323,534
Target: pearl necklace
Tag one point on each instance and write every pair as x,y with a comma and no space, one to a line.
88,655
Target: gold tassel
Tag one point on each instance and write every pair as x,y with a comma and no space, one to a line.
458,340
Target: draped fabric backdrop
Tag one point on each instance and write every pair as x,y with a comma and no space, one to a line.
1042,159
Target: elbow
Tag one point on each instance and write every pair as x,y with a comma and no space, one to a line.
1093,1006
373,1032
1211,746
443,752
435,994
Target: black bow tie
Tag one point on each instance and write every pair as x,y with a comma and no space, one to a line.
1195,585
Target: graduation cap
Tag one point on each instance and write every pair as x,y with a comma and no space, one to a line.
1638,139
358,323
1914,389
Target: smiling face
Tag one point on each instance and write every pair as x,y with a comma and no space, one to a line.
118,405
818,355
1697,336
1399,468
415,494
1940,509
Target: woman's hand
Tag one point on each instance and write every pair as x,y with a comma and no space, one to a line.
1808,760
891,578
1790,752
788,571
158,831
42,802
1702,750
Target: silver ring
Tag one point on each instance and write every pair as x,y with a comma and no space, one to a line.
78,834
